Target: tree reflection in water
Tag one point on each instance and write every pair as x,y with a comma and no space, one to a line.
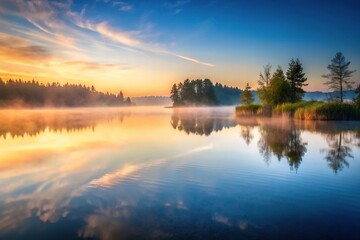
339,150
201,122
18,123
246,134
283,141
278,137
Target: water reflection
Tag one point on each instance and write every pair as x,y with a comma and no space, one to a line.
341,138
129,174
284,141
15,123
201,121
280,137
339,150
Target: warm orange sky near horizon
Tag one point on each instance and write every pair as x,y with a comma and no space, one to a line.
142,48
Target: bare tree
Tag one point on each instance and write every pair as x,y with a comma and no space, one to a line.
265,77
264,82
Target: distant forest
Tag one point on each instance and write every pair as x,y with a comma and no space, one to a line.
203,92
227,95
35,94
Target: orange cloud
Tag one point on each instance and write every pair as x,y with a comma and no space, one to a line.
19,50
85,65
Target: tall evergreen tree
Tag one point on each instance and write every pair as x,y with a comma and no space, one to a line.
246,96
296,78
199,90
209,92
128,101
120,96
340,75
175,95
188,92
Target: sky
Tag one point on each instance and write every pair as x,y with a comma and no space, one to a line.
143,47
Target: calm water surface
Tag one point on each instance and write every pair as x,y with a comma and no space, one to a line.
156,173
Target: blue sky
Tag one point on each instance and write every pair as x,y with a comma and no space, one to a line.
142,47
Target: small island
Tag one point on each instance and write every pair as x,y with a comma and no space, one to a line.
202,92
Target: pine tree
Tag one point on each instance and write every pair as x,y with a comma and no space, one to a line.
199,91
246,96
340,75
296,78
128,101
121,96
188,92
209,92
174,95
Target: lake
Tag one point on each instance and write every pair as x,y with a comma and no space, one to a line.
158,173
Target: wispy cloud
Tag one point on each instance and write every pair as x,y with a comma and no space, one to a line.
132,39
17,49
122,6
86,65
176,6
50,41
195,61
47,17
125,38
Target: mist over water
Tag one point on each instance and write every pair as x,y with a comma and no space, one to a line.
158,173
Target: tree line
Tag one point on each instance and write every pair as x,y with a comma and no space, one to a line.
35,94
279,87
273,88
203,92
227,95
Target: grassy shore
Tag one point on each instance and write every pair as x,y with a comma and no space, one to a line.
305,110
248,110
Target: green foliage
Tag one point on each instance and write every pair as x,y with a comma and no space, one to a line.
319,110
193,92
174,95
208,97
35,94
328,111
290,108
296,78
340,75
246,96
282,142
279,88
